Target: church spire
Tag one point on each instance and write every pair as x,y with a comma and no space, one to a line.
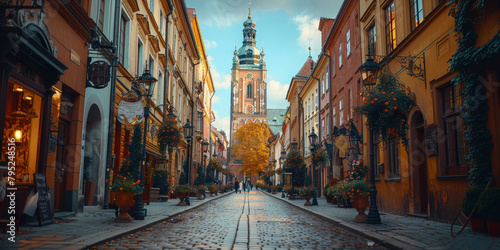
249,14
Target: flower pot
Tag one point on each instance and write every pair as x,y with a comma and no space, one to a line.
181,197
493,228
335,201
307,197
328,199
360,203
124,201
477,224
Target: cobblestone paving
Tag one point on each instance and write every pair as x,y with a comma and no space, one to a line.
271,224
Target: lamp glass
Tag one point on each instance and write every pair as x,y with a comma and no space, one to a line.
18,135
188,130
204,146
283,154
312,138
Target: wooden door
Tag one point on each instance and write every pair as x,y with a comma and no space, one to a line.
59,180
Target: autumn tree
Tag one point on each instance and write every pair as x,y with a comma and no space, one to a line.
251,147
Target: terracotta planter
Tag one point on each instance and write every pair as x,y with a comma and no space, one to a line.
360,203
493,228
477,224
335,201
328,199
307,197
181,197
124,201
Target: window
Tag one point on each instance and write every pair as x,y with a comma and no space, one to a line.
100,18
160,90
323,128
340,56
416,15
455,144
179,104
372,39
138,66
333,65
348,45
328,125
390,27
376,155
327,79
173,92
152,6
249,90
123,39
334,116
323,84
341,112
151,65
175,43
161,23
393,158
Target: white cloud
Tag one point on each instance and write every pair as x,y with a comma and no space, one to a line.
224,13
223,124
215,99
276,94
221,81
210,44
308,28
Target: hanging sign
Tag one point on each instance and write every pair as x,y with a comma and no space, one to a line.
130,110
341,143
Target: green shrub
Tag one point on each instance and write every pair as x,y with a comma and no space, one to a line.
489,206
470,200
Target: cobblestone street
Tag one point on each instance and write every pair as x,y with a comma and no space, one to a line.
242,221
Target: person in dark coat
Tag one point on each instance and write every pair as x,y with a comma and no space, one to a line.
236,186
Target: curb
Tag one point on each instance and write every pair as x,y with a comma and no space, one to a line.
383,240
115,235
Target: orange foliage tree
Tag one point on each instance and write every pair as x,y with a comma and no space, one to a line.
251,147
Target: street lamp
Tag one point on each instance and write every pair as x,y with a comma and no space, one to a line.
368,73
204,147
282,159
312,141
294,145
147,83
274,175
188,134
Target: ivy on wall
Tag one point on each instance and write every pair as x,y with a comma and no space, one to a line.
468,62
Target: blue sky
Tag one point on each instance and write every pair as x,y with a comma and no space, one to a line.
285,28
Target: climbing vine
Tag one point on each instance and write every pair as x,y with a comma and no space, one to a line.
467,62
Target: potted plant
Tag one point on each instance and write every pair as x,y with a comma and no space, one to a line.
489,208
471,197
307,193
182,192
211,189
359,192
125,190
200,189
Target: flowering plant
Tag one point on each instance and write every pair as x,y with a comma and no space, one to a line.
122,184
321,158
169,134
349,189
386,106
357,172
293,160
200,188
183,189
215,165
212,188
307,190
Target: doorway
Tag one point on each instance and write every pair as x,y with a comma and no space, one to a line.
93,156
418,163
59,180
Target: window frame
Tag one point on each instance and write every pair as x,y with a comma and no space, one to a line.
393,158
372,39
340,55
348,43
249,90
390,27
416,14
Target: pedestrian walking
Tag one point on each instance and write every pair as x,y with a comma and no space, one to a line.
236,186
244,187
248,187
251,186
241,186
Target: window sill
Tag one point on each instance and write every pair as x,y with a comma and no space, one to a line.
393,179
452,177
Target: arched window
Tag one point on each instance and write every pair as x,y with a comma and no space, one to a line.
249,90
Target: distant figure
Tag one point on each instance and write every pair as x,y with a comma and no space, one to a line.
236,186
241,186
248,187
251,186
245,187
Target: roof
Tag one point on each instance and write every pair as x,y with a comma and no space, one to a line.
306,68
275,118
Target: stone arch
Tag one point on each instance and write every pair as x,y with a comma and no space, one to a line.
93,155
417,165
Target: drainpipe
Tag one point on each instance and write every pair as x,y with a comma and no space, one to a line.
116,36
330,103
192,119
167,73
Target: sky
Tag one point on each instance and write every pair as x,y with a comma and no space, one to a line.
284,28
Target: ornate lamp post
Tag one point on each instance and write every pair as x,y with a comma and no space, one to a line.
282,159
188,134
147,83
204,147
368,76
312,141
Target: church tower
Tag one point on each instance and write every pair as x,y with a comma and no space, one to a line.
248,81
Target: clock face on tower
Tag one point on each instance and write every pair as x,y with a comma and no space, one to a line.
249,75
